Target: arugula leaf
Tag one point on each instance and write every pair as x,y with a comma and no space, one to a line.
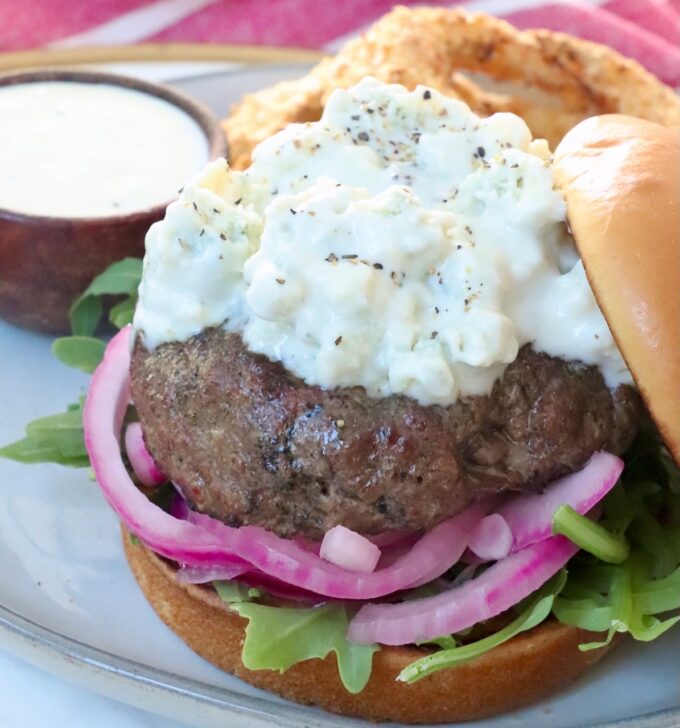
626,610
234,592
121,314
577,591
660,595
621,607
120,278
79,352
583,613
655,540
590,536
629,606
445,642
627,597
59,438
279,637
54,439
537,610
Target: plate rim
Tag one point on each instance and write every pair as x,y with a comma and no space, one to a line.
115,674
22,636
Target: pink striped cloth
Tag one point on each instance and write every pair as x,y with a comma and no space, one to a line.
648,30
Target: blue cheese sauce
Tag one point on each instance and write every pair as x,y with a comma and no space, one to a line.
401,244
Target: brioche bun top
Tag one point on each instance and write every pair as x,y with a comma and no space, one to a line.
621,179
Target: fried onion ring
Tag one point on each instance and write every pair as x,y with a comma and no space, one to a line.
552,80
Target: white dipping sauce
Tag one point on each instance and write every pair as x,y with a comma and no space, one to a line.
401,244
71,149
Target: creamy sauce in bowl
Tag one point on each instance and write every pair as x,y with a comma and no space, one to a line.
401,244
78,149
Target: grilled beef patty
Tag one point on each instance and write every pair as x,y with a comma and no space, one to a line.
248,443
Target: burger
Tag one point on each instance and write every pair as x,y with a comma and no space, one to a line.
401,403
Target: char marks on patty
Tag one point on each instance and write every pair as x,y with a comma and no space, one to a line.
248,443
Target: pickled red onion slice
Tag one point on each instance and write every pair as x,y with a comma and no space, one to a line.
203,541
496,590
350,550
142,463
431,556
105,406
207,574
277,588
492,538
526,519
248,576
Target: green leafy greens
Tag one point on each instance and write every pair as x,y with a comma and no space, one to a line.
59,438
639,536
532,612
279,637
54,439
79,352
625,579
120,278
590,536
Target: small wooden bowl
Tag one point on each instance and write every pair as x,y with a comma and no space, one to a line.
46,261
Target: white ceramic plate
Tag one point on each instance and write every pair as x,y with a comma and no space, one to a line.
68,603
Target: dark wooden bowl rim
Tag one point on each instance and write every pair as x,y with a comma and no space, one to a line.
210,126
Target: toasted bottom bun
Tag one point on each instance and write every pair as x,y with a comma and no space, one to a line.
514,674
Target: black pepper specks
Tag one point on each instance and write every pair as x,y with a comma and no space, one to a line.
363,136
338,341
427,94
378,266
280,281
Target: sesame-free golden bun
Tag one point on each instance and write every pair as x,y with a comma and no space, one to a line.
516,673
620,176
